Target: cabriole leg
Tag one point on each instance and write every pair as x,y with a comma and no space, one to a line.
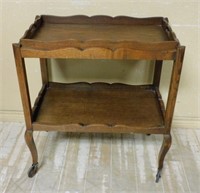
31,145
167,141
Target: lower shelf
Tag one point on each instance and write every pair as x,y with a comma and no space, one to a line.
99,107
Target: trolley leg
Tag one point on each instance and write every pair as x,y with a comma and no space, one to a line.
31,145
167,140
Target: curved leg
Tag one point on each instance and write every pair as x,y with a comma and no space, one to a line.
31,145
167,141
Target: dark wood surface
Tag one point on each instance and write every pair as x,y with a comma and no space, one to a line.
88,32
49,33
109,105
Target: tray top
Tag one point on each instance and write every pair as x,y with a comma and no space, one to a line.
52,32
86,32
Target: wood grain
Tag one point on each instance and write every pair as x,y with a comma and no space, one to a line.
100,53
82,32
82,106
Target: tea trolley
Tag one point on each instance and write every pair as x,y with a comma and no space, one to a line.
99,107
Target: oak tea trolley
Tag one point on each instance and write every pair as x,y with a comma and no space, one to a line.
99,107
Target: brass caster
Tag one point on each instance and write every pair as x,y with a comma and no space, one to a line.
33,170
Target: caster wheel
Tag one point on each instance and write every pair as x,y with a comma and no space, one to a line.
158,176
33,170
148,134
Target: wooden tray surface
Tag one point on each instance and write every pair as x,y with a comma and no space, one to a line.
52,32
82,106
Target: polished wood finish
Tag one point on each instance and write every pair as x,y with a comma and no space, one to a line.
44,70
116,107
157,73
23,85
50,33
99,107
31,145
114,38
175,78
